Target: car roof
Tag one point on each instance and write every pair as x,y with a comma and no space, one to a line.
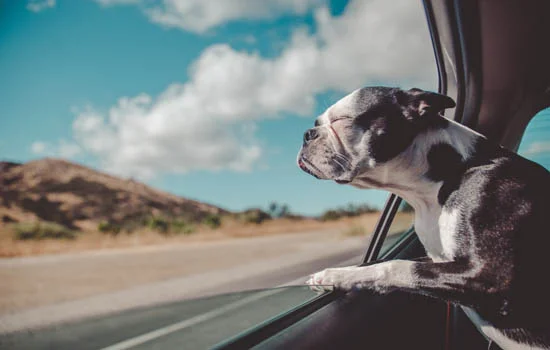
493,58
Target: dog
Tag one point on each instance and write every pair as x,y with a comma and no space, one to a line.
480,210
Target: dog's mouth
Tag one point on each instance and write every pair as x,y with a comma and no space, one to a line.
312,170
342,182
309,168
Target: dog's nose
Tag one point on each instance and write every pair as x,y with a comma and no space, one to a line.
310,135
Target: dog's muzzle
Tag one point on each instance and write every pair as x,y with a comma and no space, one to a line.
302,164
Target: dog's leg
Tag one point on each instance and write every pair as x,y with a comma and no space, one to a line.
445,280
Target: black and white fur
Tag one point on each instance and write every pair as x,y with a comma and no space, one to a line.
481,212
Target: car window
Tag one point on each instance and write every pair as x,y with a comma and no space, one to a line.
535,144
401,224
157,160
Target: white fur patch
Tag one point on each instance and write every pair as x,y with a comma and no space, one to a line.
380,277
457,135
448,226
427,228
494,334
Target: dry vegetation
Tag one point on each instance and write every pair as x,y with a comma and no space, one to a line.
95,240
54,206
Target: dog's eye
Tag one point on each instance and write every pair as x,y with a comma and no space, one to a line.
316,123
339,119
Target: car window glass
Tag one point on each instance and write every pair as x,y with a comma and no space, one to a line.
148,154
535,144
402,223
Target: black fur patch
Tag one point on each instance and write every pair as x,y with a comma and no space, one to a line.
391,132
396,136
444,162
447,165
433,271
390,117
503,198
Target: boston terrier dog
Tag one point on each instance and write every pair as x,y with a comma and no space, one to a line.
480,210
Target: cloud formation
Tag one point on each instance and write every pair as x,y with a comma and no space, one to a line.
39,147
208,122
200,15
141,137
63,149
537,148
40,5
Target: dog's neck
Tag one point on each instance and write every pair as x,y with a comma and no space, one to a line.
407,174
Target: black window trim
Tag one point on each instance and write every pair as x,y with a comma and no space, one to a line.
381,229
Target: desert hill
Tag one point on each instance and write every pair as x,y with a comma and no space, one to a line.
79,197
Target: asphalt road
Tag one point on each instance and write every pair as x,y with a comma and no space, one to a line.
191,324
198,323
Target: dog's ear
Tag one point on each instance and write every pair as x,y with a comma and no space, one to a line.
423,102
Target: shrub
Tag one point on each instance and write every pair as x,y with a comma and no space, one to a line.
292,216
109,227
277,210
350,210
272,208
103,226
213,221
181,226
158,224
42,230
254,216
331,215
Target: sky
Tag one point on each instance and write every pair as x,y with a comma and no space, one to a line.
207,99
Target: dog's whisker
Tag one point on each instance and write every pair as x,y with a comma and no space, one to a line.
340,164
342,158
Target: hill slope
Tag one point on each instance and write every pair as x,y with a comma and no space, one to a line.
79,197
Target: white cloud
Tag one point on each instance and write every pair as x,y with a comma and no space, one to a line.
208,122
67,149
63,149
200,15
107,3
537,148
39,147
141,137
40,5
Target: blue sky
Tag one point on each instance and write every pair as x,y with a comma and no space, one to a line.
205,99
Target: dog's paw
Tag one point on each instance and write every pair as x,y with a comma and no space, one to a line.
353,278
315,283
329,279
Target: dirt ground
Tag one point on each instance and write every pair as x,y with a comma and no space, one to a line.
94,240
29,282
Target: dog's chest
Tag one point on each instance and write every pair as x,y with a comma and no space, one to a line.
437,229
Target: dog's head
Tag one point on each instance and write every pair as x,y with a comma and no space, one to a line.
366,129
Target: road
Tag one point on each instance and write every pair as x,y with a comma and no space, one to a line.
118,314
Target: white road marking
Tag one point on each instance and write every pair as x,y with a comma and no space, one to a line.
129,343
